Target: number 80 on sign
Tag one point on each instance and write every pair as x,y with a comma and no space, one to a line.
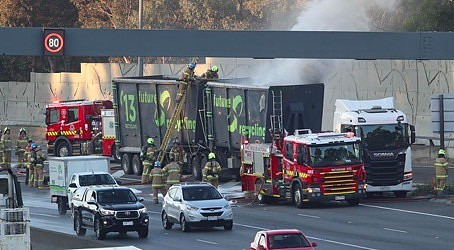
54,41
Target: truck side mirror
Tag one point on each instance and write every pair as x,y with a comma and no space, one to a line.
72,185
412,134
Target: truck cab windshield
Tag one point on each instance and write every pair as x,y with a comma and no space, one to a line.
384,136
96,179
335,155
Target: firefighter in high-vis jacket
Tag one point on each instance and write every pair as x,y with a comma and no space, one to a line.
187,77
21,144
172,172
157,181
148,155
37,159
176,153
7,144
212,170
30,178
441,171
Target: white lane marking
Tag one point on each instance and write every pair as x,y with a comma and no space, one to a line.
315,238
209,242
253,227
341,243
46,215
310,216
408,211
395,230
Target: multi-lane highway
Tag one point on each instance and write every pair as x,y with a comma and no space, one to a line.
374,224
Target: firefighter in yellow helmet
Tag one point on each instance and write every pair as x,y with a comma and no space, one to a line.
21,144
441,171
211,74
157,181
172,173
148,155
176,153
212,170
7,148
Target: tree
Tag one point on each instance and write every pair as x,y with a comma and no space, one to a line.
36,13
429,15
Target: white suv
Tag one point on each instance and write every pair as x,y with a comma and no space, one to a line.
196,205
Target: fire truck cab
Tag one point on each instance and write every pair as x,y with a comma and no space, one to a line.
80,127
305,167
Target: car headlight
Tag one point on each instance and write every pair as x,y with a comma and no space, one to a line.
106,211
191,208
143,210
227,206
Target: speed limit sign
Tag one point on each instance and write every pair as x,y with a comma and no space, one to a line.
54,42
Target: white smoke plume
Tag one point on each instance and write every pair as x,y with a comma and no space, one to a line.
322,15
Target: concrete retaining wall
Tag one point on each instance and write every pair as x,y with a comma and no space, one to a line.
411,83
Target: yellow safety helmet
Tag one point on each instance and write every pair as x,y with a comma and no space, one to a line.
214,68
441,152
5,129
150,141
211,156
22,130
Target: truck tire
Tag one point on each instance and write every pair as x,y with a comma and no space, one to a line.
196,168
62,207
116,153
63,149
297,195
137,167
80,231
126,163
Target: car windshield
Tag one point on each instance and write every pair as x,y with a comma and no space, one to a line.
281,241
199,193
335,155
96,179
116,196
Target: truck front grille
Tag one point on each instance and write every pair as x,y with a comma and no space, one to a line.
338,183
384,173
127,215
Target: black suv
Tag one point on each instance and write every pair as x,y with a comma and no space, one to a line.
109,209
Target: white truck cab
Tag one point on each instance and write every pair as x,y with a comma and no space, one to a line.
386,137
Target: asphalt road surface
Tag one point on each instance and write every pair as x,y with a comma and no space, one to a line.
374,224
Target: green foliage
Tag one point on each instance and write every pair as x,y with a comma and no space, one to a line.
428,189
429,15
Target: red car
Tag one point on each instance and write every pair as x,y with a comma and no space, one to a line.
281,239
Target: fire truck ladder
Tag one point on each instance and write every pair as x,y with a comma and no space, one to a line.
276,117
173,121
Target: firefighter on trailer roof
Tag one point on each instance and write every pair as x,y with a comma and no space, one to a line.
441,171
211,74
187,77
212,170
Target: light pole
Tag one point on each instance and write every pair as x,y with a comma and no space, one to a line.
139,59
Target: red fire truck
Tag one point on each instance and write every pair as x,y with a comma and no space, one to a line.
305,167
80,127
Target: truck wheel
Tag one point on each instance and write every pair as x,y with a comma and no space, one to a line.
298,196
196,168
136,165
143,233
61,202
116,153
63,149
126,163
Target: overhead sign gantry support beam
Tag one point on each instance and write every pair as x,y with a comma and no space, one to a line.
234,44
